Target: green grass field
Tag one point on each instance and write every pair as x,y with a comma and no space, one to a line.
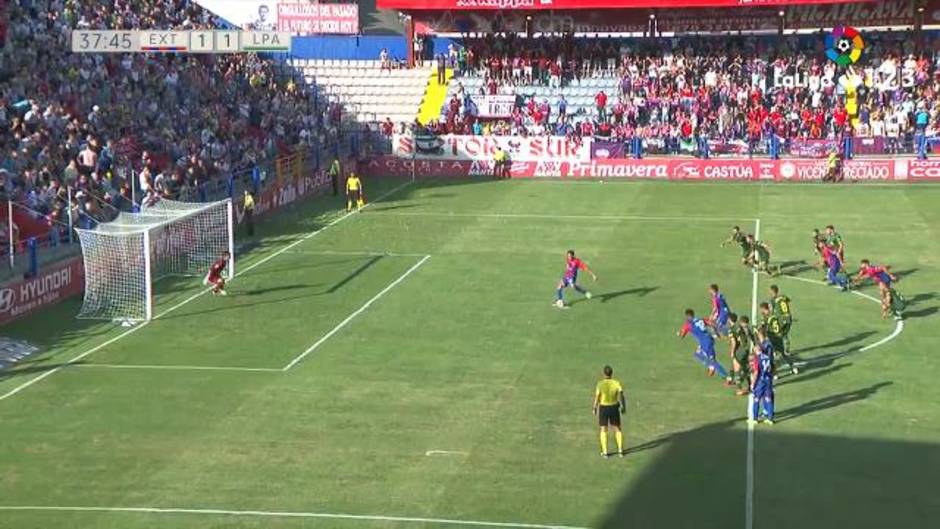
445,391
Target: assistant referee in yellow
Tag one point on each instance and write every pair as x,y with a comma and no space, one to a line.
609,403
354,192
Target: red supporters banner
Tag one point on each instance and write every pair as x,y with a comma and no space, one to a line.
528,5
794,170
311,19
49,287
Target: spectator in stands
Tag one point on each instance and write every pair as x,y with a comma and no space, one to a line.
419,50
385,60
441,69
730,91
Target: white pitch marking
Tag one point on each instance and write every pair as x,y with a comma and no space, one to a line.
352,316
285,514
749,463
898,328
445,453
355,253
446,214
182,368
132,330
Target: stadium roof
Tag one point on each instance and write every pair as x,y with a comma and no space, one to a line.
531,5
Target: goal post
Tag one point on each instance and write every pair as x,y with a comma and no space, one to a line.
125,257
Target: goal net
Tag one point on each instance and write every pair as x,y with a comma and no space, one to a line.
124,257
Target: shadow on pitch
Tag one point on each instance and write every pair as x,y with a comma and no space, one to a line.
922,313
608,296
391,207
831,401
841,342
12,371
809,373
795,267
923,296
697,478
261,291
372,261
182,313
294,268
901,274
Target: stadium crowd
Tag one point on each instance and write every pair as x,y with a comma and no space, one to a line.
70,119
726,89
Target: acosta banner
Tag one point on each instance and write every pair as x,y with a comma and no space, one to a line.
795,170
504,5
51,286
482,148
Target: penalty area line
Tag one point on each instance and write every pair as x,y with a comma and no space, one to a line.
188,300
182,368
282,514
352,316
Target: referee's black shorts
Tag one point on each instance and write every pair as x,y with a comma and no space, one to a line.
608,415
354,194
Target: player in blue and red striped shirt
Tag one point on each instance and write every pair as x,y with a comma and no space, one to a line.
720,310
705,352
762,385
833,267
884,278
570,279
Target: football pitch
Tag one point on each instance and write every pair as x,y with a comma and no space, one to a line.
404,367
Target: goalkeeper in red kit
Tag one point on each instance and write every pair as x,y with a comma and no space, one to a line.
215,275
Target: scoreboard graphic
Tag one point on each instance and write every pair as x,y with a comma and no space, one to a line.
115,41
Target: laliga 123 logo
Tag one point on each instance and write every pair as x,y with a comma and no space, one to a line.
844,45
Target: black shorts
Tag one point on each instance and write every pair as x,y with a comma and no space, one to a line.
608,415
354,194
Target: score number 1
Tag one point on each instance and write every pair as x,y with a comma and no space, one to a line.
213,41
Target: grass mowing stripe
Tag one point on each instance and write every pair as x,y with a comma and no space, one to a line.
199,294
286,514
352,316
749,457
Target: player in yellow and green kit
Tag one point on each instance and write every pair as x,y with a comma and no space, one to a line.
738,237
818,238
609,403
834,242
760,255
740,341
782,309
773,328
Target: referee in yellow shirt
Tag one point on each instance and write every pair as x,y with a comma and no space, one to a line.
354,192
609,403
